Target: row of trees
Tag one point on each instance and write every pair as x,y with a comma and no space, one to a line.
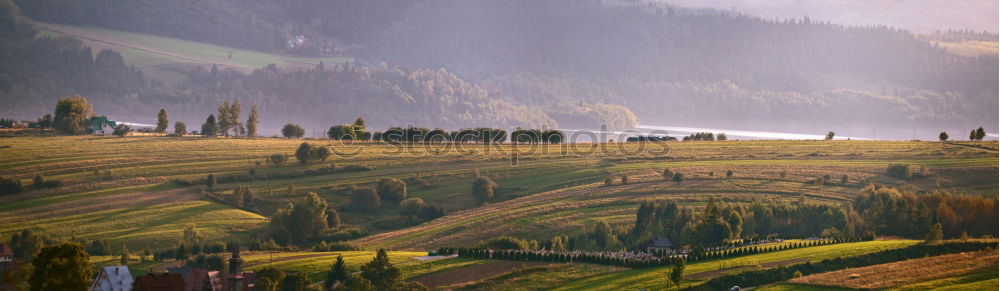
419,134
515,252
532,136
720,223
708,136
228,121
891,211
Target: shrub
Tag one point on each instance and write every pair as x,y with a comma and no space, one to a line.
305,153
10,185
365,199
430,212
411,206
215,247
292,130
122,130
624,180
483,188
608,181
180,128
729,173
210,182
505,243
678,178
899,171
277,159
392,190
320,153
332,218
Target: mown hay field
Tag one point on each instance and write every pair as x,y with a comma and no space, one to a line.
544,190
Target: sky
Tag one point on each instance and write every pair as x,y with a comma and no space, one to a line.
921,16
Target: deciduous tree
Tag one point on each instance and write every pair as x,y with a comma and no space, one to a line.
392,190
64,266
483,188
180,128
73,114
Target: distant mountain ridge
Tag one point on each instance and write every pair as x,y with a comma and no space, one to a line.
665,64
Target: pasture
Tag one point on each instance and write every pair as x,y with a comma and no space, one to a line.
160,56
549,189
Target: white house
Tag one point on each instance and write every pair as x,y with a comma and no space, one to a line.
113,278
100,125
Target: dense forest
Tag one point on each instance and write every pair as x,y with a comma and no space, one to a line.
559,62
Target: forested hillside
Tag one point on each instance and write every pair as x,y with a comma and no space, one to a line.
668,65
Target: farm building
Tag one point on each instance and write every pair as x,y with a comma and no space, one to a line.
209,280
113,278
100,125
159,282
659,244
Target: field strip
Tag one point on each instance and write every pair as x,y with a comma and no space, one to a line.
905,272
76,32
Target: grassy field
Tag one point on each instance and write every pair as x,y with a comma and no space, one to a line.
554,190
652,278
141,191
317,264
905,272
158,56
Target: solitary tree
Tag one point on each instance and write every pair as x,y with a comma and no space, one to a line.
268,279
678,178
381,272
124,259
483,188
72,114
338,273
972,135
234,118
224,119
210,127
180,128
677,272
829,135
943,136
296,282
365,199
392,190
667,174
411,206
305,153
210,181
252,121
935,234
64,266
161,121
292,130
729,173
